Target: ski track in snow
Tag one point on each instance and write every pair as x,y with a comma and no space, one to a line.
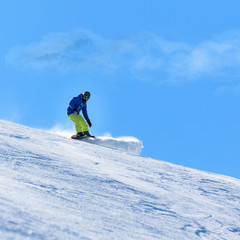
57,188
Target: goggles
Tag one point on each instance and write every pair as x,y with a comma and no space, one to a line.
85,97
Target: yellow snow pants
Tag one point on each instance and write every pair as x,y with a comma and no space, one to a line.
80,124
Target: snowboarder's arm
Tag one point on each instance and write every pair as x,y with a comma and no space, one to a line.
85,114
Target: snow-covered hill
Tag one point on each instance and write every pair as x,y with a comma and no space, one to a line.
53,187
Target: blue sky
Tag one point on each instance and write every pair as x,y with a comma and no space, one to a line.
166,72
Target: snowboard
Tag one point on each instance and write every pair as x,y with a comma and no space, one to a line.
76,137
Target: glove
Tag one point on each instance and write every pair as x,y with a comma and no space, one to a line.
75,112
89,123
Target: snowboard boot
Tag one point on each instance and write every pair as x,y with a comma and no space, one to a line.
87,134
79,135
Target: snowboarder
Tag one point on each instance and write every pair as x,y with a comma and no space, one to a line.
76,105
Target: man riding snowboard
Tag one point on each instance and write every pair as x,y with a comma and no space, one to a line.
76,105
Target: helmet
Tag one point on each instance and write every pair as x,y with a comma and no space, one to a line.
86,95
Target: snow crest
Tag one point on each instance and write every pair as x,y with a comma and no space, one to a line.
127,144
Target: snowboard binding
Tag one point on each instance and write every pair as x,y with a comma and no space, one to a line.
82,135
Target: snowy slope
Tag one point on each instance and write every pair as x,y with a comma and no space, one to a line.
53,187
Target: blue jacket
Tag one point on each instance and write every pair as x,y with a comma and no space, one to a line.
77,104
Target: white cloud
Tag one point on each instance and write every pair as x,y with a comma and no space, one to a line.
145,56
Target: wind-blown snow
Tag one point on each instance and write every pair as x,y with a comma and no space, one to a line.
127,144
53,187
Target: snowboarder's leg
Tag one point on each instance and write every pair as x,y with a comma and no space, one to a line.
83,124
80,125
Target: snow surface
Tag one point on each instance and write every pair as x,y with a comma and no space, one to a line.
53,187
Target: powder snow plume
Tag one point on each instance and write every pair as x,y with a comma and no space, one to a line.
126,143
